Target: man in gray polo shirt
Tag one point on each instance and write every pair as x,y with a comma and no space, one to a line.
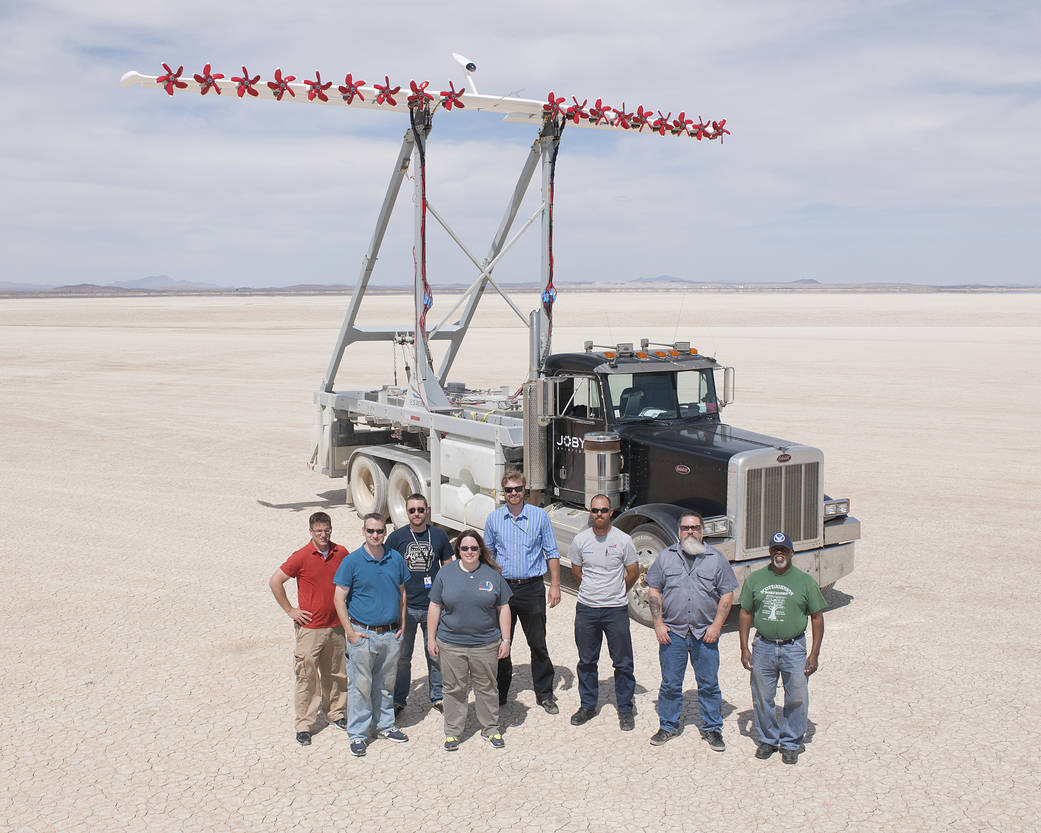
691,587
603,560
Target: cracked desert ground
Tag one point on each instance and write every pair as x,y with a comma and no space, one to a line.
154,475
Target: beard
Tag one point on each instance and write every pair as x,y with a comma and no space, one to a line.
692,546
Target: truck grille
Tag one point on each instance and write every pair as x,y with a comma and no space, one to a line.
782,498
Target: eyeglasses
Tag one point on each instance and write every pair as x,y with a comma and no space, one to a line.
375,531
600,510
510,490
321,532
417,510
469,549
691,528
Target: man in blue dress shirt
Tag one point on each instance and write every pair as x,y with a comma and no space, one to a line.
521,539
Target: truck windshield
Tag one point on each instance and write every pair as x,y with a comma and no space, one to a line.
664,395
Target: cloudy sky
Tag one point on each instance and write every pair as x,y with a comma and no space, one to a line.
872,141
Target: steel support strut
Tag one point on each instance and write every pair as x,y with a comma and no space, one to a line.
498,242
549,141
424,388
348,332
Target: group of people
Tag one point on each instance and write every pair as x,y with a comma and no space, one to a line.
358,614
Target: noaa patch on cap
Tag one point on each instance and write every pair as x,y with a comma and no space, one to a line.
779,539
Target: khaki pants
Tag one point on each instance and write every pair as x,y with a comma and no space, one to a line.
463,667
321,675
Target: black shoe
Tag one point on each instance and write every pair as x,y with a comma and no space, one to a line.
341,723
358,748
790,756
303,738
714,740
662,736
550,705
439,705
626,721
764,751
582,716
395,735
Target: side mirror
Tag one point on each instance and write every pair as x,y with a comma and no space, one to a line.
728,386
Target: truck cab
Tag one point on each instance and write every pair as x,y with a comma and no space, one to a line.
674,453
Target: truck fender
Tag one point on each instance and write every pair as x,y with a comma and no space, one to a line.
665,515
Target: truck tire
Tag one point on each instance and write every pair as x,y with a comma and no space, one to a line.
401,483
649,541
368,486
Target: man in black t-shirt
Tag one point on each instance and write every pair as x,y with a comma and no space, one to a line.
425,548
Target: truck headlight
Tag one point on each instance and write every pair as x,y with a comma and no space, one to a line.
718,527
836,508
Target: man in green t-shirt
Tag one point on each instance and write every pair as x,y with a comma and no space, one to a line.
779,599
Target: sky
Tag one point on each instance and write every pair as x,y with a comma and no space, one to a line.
871,141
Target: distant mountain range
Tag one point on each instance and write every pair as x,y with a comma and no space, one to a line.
165,285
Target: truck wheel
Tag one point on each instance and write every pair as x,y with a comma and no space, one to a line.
368,486
649,541
401,483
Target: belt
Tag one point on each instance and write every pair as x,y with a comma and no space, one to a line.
780,641
519,582
393,626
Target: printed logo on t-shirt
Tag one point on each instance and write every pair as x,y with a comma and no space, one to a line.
486,586
774,598
419,556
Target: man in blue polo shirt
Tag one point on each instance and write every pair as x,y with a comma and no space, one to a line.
521,538
370,602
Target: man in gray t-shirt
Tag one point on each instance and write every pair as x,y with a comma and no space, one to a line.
604,562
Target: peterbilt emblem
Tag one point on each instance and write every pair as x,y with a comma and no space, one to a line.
681,469
783,458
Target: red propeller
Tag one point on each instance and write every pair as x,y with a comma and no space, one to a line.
317,88
280,86
351,88
451,97
246,84
600,112
577,111
553,105
419,96
621,118
208,80
387,92
171,80
642,118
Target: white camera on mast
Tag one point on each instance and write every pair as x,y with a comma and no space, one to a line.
469,67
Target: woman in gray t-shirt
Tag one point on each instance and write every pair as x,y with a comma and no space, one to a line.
468,629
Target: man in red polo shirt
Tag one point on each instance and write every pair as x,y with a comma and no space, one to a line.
321,665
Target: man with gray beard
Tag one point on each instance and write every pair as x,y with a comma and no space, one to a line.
691,587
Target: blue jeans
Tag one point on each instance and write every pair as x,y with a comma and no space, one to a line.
592,624
416,617
372,665
704,659
788,661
